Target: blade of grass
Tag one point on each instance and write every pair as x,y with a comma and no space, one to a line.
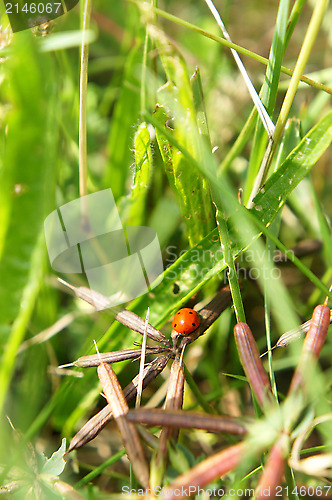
27,193
269,95
83,168
238,48
99,470
264,116
308,42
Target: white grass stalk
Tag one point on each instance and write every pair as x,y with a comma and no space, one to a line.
264,116
142,362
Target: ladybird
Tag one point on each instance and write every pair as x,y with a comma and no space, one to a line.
186,321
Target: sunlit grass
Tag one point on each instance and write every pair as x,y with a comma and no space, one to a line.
161,169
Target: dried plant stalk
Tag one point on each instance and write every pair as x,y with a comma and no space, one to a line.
128,431
127,318
272,476
174,401
219,464
215,307
113,357
312,345
92,428
288,337
187,420
252,365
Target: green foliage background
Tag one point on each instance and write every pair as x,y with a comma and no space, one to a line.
167,179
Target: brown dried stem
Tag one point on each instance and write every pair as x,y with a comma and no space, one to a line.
174,401
128,431
252,365
90,430
312,346
187,420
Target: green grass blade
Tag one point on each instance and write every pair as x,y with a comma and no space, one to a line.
269,95
141,182
28,186
296,166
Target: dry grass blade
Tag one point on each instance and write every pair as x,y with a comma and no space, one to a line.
128,431
90,430
127,318
312,345
213,467
264,116
48,333
294,334
252,365
174,401
142,363
215,307
187,420
113,357
272,476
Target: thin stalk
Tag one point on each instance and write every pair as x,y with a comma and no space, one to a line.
196,392
269,344
143,77
83,169
294,17
292,488
309,39
229,260
98,470
142,362
239,143
238,48
264,116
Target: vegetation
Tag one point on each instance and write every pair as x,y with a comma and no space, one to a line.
172,130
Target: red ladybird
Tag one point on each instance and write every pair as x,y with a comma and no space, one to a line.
186,321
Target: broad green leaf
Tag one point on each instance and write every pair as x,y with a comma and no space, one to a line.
194,268
191,190
56,463
296,166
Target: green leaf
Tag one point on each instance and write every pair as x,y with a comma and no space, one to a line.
143,165
296,166
27,178
56,464
182,102
191,189
269,93
125,114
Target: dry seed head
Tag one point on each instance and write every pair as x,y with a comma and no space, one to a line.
312,345
251,363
